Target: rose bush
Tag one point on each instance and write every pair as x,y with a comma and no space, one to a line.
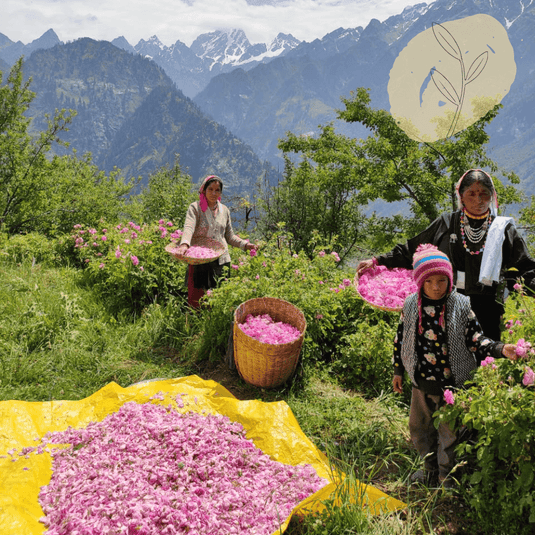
126,263
498,409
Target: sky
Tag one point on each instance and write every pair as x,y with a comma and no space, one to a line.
184,20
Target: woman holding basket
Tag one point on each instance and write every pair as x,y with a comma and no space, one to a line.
208,219
481,246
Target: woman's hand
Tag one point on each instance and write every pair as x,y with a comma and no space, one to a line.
508,351
364,265
397,383
250,247
181,249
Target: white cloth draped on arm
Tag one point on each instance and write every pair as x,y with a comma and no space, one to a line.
491,263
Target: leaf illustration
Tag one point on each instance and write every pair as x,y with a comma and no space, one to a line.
445,87
477,67
447,41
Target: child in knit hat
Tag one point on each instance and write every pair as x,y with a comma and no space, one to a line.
439,343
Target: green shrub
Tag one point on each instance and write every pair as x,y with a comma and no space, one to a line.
127,263
500,408
34,247
339,331
365,358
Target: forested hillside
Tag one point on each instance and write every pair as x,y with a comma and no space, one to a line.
122,124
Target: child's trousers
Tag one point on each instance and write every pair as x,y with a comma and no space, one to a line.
435,446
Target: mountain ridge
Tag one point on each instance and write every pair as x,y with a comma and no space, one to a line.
191,68
130,115
320,75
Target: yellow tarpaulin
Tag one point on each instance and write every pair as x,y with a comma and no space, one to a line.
272,427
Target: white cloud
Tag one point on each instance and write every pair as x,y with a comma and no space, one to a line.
184,20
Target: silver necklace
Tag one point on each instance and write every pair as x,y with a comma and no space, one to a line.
475,236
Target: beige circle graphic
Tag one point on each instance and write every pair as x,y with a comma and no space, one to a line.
449,76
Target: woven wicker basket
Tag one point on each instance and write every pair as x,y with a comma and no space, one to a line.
217,247
267,365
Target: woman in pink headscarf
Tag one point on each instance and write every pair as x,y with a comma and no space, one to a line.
209,218
481,246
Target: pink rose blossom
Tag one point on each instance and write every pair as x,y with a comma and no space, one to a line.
487,361
135,260
522,348
449,398
529,376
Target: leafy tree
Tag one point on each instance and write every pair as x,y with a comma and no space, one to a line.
398,168
167,195
80,193
24,177
337,176
316,194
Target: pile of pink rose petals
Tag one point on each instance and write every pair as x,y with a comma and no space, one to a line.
264,329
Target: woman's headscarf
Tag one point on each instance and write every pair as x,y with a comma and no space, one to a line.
205,183
486,180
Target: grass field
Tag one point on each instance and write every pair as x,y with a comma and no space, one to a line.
57,341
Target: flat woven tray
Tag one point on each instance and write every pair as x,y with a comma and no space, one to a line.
387,295
261,364
217,248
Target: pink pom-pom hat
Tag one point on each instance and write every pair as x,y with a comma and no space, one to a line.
426,261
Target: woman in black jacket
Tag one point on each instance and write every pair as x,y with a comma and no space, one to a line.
481,245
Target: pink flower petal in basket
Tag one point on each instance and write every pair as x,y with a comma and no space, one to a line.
264,329
388,288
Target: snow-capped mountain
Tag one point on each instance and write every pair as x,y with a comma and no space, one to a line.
192,68
232,49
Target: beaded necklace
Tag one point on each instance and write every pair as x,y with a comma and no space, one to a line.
474,236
